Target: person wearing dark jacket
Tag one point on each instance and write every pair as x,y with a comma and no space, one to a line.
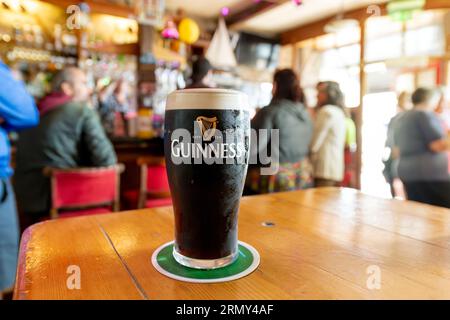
113,105
17,111
287,114
70,135
201,74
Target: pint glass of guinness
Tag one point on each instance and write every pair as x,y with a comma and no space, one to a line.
207,137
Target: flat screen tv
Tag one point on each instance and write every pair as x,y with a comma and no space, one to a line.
258,52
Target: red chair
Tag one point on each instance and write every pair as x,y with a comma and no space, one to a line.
154,188
84,191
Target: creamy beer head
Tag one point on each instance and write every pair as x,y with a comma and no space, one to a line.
207,138
220,99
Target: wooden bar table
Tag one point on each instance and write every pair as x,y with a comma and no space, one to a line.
325,244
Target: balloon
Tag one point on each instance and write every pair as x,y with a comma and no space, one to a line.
189,31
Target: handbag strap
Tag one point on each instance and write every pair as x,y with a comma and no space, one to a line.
4,194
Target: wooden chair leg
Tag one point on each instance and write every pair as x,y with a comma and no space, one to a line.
143,187
116,206
54,214
141,200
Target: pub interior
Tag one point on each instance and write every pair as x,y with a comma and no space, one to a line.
357,92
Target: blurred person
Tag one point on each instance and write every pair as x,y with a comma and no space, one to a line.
390,171
288,114
201,74
17,111
69,135
422,145
442,110
329,137
349,153
114,105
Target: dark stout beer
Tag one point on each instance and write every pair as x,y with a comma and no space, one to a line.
207,136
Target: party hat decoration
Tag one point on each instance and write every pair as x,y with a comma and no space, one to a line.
220,52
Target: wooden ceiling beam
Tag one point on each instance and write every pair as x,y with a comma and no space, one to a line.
250,9
437,4
316,29
98,6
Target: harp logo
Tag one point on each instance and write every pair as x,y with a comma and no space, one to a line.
207,127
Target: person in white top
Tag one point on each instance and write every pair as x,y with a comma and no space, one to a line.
328,143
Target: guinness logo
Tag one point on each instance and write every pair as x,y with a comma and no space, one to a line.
207,127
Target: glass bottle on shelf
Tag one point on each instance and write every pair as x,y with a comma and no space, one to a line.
144,123
18,34
57,33
38,37
28,35
145,112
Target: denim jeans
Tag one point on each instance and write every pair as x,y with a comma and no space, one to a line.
9,235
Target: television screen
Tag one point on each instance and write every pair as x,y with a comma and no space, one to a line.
258,52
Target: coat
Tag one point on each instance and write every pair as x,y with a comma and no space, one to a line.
17,111
328,143
69,136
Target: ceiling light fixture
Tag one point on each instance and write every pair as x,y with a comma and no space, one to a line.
340,24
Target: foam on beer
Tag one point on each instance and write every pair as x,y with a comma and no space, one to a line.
219,99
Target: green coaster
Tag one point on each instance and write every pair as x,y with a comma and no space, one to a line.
247,262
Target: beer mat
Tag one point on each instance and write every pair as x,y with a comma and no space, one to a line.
247,262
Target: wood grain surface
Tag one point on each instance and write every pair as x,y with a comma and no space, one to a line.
325,244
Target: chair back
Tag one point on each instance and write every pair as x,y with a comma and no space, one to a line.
80,189
154,182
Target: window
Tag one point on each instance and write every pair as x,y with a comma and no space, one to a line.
432,41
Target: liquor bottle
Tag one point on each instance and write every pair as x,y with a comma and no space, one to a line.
57,33
144,123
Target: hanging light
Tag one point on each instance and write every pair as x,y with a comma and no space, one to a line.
403,10
339,24
12,5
